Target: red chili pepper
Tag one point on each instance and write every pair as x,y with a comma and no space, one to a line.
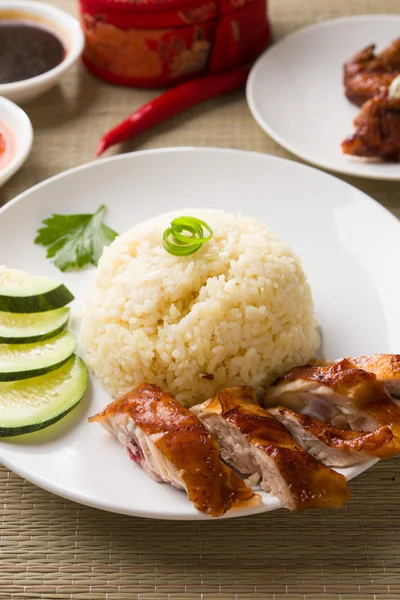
173,102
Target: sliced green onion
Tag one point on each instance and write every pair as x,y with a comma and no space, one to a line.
185,236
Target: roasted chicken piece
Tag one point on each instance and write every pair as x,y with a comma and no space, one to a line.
333,446
338,393
172,446
368,74
386,367
386,412
335,393
256,444
377,130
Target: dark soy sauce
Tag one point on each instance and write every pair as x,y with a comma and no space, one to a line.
27,50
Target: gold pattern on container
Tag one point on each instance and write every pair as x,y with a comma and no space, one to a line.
123,52
193,59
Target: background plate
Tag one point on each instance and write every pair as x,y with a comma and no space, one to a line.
349,245
295,91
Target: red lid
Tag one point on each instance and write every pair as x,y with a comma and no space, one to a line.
141,5
150,14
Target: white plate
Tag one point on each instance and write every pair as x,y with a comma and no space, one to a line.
350,247
19,129
296,94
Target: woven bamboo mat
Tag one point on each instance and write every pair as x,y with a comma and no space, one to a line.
53,549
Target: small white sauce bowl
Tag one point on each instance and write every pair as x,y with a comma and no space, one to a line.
63,25
20,127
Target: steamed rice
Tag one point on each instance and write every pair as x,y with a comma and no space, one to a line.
237,312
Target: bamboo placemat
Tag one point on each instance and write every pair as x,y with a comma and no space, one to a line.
54,549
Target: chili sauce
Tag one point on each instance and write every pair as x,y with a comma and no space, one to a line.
7,146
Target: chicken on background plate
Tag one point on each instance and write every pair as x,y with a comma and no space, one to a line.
368,74
377,130
372,81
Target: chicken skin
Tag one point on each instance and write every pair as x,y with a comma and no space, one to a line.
338,393
386,367
337,447
256,444
367,74
377,130
172,446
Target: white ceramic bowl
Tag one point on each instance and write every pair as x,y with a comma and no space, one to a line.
65,26
19,125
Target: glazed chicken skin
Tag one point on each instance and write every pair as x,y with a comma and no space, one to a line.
256,444
333,446
172,446
338,393
367,74
386,367
377,130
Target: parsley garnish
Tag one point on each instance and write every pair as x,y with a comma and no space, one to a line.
75,241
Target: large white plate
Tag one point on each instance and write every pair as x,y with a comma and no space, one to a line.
296,94
350,247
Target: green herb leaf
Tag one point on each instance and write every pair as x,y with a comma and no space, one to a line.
75,241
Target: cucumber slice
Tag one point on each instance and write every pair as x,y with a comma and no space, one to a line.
20,361
25,328
33,404
24,293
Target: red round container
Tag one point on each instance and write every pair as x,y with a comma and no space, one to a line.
154,43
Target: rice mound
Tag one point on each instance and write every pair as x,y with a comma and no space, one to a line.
237,312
